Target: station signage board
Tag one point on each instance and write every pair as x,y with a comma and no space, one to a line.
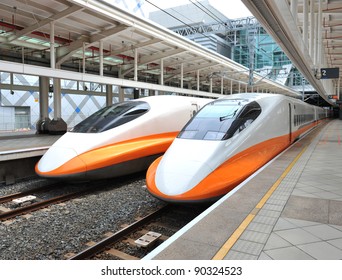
330,73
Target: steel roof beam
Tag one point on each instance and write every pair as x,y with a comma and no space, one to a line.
39,24
155,57
64,53
135,46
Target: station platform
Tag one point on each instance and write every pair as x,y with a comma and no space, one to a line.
22,149
291,209
16,145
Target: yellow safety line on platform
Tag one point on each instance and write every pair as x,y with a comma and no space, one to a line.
242,227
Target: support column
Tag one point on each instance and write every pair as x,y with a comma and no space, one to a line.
121,93
83,57
211,85
52,45
135,64
57,99
198,80
305,22
120,88
312,28
101,58
109,95
57,125
315,41
319,34
182,75
294,5
231,86
42,125
162,71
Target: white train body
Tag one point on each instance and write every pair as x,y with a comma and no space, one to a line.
228,140
120,139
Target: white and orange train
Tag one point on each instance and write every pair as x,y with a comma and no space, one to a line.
120,139
228,140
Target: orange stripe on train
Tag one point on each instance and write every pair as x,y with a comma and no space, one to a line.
231,173
115,153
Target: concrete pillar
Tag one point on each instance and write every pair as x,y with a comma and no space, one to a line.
182,75
136,93
135,64
305,22
101,58
57,125
109,95
211,85
198,80
315,40
294,5
312,28
52,45
319,33
44,120
121,93
83,57
231,86
57,99
162,71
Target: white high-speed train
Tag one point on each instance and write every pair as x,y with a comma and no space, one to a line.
228,140
120,139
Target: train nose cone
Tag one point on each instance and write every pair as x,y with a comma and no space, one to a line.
59,161
175,180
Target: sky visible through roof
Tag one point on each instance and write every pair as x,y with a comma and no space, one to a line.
232,9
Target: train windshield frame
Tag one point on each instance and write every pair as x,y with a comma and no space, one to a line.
221,120
112,116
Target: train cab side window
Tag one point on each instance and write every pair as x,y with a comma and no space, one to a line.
247,115
128,116
136,112
112,116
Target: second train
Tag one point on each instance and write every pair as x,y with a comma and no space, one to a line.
228,140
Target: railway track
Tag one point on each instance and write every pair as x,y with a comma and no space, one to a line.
136,240
20,203
21,210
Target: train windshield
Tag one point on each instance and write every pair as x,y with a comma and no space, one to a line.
221,119
112,116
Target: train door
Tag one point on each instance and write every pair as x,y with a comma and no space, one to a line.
290,123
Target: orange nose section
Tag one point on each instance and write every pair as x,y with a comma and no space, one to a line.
71,167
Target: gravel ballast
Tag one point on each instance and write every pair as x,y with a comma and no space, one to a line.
65,228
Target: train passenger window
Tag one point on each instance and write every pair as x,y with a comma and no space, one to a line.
112,116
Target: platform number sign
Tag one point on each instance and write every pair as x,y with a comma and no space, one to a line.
330,73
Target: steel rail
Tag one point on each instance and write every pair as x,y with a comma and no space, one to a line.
10,197
42,204
103,244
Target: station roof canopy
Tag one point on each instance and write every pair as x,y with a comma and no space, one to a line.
310,33
96,41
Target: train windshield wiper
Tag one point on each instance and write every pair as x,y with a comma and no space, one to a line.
229,116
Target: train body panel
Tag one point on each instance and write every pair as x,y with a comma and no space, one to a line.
128,147
196,169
